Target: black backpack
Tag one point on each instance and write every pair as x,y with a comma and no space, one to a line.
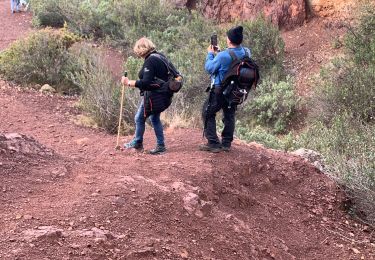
175,79
242,76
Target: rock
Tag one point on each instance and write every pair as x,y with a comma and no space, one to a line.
44,232
47,89
27,217
286,14
99,235
191,202
144,252
332,8
355,251
184,254
315,158
83,141
206,207
15,143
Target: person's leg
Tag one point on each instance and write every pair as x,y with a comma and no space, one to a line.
140,125
17,5
210,108
229,120
12,5
158,128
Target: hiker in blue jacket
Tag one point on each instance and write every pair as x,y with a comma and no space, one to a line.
217,64
15,5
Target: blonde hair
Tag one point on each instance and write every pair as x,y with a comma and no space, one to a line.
143,47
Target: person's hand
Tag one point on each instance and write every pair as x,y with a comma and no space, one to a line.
211,49
125,81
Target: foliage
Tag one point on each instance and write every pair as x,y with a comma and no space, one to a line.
343,122
348,147
100,95
181,35
348,84
360,41
266,44
273,106
265,137
42,57
47,13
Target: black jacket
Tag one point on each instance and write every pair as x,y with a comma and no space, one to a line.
153,73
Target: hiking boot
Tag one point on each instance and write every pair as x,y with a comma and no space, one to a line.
225,148
159,149
209,148
134,145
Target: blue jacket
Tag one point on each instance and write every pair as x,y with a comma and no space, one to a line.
218,65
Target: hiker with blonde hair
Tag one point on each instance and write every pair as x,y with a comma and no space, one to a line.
154,101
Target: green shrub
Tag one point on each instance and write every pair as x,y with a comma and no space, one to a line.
343,126
348,147
47,13
266,45
100,96
258,135
273,106
42,57
360,41
348,84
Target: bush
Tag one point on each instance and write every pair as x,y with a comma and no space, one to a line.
348,84
43,57
348,147
273,105
343,124
100,96
265,137
360,41
267,46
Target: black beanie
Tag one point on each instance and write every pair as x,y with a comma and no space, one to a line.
235,35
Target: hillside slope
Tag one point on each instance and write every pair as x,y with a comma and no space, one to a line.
65,193
87,201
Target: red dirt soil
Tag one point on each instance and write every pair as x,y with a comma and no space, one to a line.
98,203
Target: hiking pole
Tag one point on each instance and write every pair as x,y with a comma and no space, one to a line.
121,110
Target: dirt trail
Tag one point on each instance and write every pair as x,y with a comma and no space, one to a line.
12,26
87,201
252,203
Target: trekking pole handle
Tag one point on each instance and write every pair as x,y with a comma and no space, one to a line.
125,74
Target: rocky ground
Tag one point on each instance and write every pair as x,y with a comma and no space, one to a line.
66,193
81,199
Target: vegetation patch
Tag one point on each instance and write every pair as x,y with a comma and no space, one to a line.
343,111
41,58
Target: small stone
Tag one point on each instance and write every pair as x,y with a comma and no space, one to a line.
132,190
184,254
74,246
27,217
47,89
366,229
355,251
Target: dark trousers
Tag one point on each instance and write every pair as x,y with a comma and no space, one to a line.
214,103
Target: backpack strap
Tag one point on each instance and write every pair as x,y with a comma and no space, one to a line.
163,60
170,67
233,55
247,52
